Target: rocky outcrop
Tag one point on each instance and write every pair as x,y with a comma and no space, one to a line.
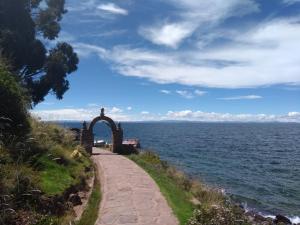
280,219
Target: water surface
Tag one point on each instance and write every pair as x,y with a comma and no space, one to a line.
257,163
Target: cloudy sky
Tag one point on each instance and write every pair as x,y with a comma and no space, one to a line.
233,60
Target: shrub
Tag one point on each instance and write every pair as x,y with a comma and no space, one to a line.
216,215
47,134
207,195
13,106
150,157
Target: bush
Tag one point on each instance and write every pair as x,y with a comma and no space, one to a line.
216,215
47,135
13,106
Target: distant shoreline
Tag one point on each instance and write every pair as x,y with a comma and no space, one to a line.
178,121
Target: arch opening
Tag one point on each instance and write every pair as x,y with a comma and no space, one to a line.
102,134
87,133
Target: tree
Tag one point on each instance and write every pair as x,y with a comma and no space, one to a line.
24,25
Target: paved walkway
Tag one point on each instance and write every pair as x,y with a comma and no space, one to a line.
129,195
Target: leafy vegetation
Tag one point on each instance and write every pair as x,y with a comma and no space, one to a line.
25,26
192,202
217,215
36,182
40,163
13,105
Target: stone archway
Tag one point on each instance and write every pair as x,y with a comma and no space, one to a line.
87,135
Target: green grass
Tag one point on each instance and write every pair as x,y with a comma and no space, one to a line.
47,159
177,198
90,214
54,178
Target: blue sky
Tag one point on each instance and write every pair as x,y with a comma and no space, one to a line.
233,60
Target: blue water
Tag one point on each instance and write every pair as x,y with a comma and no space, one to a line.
256,163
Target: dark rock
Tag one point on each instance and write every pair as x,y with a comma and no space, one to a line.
282,219
75,199
259,218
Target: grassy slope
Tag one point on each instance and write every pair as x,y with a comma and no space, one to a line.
178,199
47,163
56,178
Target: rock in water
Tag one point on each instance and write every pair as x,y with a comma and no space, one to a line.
282,219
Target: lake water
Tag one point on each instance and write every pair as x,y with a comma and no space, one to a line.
258,164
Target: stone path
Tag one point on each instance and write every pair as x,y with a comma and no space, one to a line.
129,194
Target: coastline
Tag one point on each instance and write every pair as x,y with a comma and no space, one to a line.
254,215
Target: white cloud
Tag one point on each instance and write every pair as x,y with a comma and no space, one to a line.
116,110
79,114
90,11
165,92
247,97
195,15
290,2
185,94
167,34
112,8
294,114
262,56
199,92
228,117
129,108
65,114
85,50
266,55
